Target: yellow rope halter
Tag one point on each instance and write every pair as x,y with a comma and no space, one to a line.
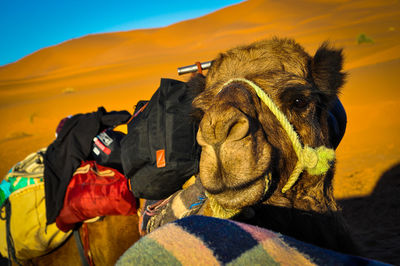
218,210
316,161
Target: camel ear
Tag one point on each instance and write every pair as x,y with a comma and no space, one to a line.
326,67
197,84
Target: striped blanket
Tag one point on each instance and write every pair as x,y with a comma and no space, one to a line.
201,240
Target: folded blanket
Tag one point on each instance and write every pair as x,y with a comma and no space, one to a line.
201,240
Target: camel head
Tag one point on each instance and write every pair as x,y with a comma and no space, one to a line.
247,154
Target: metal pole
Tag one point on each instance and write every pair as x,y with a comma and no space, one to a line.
193,68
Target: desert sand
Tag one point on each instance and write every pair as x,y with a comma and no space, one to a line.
115,70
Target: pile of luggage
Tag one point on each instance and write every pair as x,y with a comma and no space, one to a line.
100,164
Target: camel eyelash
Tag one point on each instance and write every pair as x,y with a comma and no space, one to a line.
300,102
296,98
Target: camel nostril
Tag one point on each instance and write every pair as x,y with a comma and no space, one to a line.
219,126
238,129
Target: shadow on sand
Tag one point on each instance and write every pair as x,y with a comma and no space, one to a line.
375,219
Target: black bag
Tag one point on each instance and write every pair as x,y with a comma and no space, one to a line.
160,151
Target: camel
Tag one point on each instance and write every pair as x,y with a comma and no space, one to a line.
267,151
261,108
267,154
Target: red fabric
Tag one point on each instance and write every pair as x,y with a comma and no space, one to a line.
95,190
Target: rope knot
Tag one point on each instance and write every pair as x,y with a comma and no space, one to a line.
320,162
309,157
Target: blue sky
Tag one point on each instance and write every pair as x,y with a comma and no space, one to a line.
29,25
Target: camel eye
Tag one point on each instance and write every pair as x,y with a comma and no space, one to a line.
300,102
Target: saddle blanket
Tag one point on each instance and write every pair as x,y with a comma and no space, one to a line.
201,240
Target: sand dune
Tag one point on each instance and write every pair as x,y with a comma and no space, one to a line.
116,70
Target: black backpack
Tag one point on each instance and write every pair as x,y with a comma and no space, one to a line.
160,153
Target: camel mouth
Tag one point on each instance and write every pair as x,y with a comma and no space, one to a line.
233,169
238,197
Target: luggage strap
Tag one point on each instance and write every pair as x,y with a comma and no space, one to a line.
9,239
83,247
